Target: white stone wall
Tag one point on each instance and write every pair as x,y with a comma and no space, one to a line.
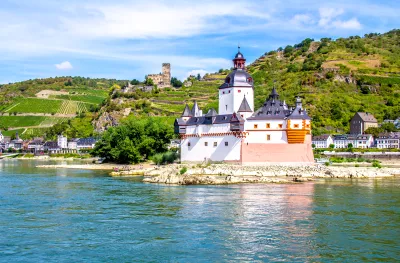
259,133
216,128
230,99
198,150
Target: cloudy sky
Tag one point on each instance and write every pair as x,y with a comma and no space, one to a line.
127,39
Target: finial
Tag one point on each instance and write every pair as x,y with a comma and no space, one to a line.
239,47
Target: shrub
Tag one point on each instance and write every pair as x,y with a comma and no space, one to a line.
327,163
357,165
183,170
376,164
164,158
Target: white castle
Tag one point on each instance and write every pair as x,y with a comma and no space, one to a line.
275,133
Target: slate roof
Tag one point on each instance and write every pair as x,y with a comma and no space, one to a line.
367,117
389,135
186,112
217,119
86,141
238,77
273,108
322,137
245,107
195,109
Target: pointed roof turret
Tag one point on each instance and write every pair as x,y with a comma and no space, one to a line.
245,107
186,112
211,113
274,94
195,110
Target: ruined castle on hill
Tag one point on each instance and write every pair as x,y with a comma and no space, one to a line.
162,80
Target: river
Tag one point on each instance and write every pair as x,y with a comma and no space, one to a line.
86,216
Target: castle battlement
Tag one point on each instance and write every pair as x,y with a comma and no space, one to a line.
162,80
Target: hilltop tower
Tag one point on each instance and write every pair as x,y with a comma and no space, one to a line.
166,73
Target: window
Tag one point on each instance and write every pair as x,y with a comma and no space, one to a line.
226,107
296,126
268,137
226,143
188,144
215,144
255,126
239,91
205,143
268,126
229,91
280,126
223,92
241,115
308,125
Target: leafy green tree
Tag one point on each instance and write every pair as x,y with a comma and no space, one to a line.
331,146
135,82
148,81
176,82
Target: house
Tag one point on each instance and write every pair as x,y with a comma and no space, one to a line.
322,141
17,143
62,141
5,144
72,144
362,121
86,143
388,140
36,145
51,147
238,133
343,141
174,144
364,141
1,137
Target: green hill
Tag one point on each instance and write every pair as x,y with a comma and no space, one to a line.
336,78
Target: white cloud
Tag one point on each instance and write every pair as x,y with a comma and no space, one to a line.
194,72
349,24
302,19
64,65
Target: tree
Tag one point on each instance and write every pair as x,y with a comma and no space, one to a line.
350,146
198,76
331,146
135,82
134,140
176,82
148,81
313,145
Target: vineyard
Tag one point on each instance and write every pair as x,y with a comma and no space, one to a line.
21,121
72,107
83,98
34,105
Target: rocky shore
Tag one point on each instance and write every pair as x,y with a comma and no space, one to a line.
233,174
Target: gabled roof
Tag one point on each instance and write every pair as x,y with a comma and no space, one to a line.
244,107
195,109
211,113
322,137
367,117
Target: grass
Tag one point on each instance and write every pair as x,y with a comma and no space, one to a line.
21,121
33,105
12,132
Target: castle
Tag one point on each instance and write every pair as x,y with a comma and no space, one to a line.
275,133
162,80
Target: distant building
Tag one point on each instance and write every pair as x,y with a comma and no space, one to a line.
36,145
73,144
362,121
86,143
1,137
62,142
163,79
51,147
364,141
388,140
322,141
357,141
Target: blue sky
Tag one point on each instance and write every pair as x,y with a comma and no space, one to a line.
129,39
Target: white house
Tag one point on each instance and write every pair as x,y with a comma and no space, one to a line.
275,133
364,141
322,141
1,137
62,142
389,140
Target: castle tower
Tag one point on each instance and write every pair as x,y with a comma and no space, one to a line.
166,74
238,85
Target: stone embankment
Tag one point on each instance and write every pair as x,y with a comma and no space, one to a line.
230,174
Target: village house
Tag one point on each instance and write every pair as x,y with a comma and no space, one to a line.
362,121
388,140
356,141
86,144
51,147
36,145
364,141
322,141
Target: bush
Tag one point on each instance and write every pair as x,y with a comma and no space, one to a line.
327,163
164,158
376,163
183,170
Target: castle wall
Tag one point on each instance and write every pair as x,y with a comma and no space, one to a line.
215,150
275,153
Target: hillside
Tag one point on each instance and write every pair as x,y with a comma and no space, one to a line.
31,107
336,78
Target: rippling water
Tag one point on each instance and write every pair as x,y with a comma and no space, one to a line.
85,216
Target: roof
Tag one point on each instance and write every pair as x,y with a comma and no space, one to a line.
244,106
238,77
389,135
367,117
273,108
87,141
207,120
195,109
322,137
239,55
211,113
186,112
51,145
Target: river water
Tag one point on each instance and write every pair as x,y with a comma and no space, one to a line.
85,216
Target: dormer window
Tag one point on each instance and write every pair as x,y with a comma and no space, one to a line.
228,80
249,79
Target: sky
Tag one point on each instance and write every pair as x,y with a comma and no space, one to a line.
127,39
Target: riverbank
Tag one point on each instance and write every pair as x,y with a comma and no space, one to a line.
228,174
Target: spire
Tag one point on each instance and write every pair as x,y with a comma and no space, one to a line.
274,94
244,106
186,112
195,110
